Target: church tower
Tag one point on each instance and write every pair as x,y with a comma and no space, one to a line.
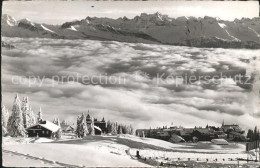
88,118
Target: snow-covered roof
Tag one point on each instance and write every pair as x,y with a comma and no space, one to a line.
48,125
66,127
97,128
219,141
175,138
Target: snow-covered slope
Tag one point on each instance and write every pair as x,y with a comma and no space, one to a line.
146,28
114,151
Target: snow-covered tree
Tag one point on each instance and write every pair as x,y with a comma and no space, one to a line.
128,129
120,130
54,121
58,134
113,129
39,117
64,122
92,126
32,119
26,112
109,127
58,122
81,129
77,131
5,116
117,130
15,124
131,130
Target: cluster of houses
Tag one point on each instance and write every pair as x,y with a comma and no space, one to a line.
47,128
179,134
175,134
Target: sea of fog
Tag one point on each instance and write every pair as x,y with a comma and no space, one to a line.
140,84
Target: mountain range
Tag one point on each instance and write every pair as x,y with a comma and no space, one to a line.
146,28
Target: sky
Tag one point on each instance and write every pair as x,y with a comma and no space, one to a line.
58,12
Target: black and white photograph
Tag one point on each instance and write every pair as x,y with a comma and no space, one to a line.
130,84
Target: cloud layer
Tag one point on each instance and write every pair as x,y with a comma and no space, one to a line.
135,94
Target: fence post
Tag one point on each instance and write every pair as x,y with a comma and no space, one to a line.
137,154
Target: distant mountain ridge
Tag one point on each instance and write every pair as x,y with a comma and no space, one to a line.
146,28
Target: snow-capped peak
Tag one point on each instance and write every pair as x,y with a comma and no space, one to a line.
222,25
9,20
73,28
87,21
45,28
159,15
26,21
156,16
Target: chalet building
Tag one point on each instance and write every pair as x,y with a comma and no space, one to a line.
176,139
235,136
162,134
186,133
67,128
234,132
232,128
203,134
43,129
98,131
99,126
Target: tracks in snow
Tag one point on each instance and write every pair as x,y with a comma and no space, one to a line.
54,163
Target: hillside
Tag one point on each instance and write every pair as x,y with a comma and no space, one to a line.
115,151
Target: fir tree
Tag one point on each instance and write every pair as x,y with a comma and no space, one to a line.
5,116
77,131
131,130
92,127
26,110
81,129
39,117
54,121
64,122
250,134
32,120
58,122
58,134
108,127
113,129
15,125
256,133
120,130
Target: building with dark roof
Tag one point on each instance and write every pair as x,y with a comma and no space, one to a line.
100,126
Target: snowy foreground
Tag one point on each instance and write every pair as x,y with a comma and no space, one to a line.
113,151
